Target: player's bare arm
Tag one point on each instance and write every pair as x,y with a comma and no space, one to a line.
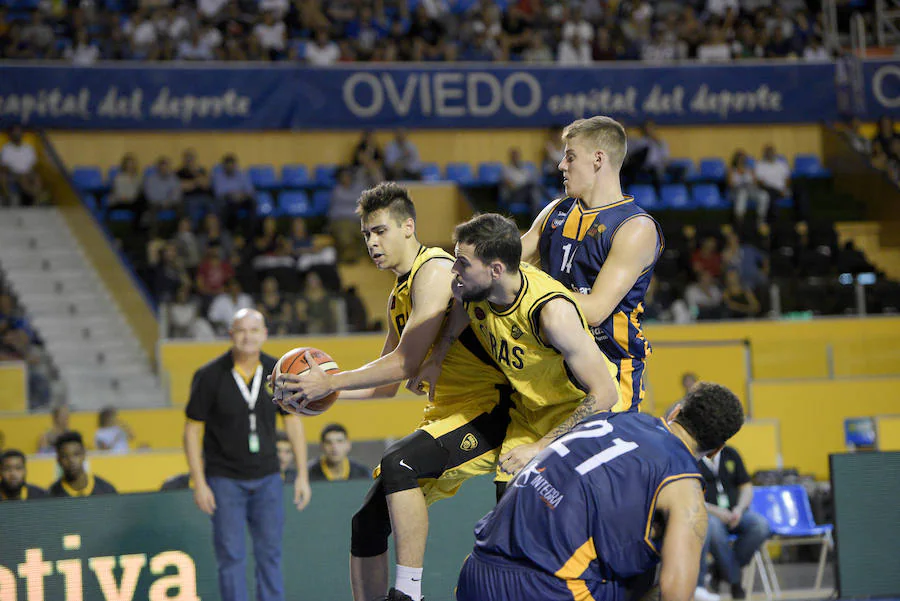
532,238
633,250
431,295
379,392
684,510
430,370
561,328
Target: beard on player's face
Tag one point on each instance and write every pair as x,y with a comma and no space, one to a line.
11,488
475,294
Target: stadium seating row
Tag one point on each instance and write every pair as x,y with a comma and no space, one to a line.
89,179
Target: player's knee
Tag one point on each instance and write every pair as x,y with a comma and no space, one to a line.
398,471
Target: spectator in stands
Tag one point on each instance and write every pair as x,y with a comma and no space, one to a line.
234,192
185,242
688,379
704,297
113,434
59,426
428,36
401,158
271,34
126,188
13,478
367,149
213,273
226,304
715,48
334,463
275,308
357,316
574,51
884,136
815,51
480,49
162,190
314,310
197,47
648,156
743,186
729,493
343,222
322,51
773,175
75,480
537,51
553,153
517,182
143,36
751,264
317,254
39,37
184,317
169,273
195,186
20,160
707,258
212,234
287,465
739,299
19,341
84,52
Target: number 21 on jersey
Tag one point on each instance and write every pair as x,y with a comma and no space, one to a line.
597,429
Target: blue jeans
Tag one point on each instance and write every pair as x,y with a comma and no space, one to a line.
258,504
751,531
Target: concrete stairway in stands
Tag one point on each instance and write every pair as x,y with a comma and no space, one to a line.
100,360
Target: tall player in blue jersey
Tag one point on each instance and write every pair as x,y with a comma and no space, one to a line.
602,245
607,502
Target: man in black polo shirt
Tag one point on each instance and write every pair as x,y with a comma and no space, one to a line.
13,475
235,468
76,481
729,493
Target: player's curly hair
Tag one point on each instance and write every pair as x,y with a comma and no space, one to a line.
711,414
67,437
495,238
387,195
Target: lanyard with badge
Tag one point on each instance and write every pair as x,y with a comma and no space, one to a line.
250,396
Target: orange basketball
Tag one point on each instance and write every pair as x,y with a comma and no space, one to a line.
294,362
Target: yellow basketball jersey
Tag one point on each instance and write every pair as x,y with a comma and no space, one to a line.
513,338
468,375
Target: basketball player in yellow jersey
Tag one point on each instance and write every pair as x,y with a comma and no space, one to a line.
463,426
534,331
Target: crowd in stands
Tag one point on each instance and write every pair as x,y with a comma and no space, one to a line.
324,33
20,341
882,149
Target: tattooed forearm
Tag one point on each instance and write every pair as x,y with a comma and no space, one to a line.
696,514
589,406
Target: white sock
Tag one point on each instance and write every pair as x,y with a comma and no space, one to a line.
409,581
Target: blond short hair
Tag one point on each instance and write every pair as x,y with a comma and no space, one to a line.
600,133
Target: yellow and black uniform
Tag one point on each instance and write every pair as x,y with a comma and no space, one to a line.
466,417
95,486
460,433
546,391
26,493
349,470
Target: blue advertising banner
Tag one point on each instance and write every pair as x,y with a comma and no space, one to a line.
457,96
882,84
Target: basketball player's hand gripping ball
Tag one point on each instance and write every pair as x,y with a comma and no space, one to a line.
302,381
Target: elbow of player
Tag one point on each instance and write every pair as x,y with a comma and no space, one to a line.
675,587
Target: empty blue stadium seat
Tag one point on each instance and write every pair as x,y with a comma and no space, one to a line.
120,215
295,176
88,179
321,202
490,174
712,170
262,177
265,204
644,195
325,175
809,165
294,203
461,173
675,196
431,172
708,196
532,168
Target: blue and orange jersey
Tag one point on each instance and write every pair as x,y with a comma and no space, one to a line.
583,508
574,244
